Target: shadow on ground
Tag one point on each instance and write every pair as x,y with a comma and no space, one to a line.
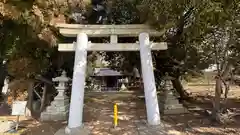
98,117
199,122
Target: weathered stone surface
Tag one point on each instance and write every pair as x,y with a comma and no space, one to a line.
168,101
58,108
45,116
60,102
59,116
55,113
50,116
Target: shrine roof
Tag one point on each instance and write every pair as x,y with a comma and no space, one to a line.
106,72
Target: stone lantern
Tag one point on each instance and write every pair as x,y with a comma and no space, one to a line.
169,103
62,86
123,85
59,108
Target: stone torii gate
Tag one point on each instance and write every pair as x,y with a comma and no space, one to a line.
82,45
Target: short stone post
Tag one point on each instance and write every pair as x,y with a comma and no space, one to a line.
153,115
59,108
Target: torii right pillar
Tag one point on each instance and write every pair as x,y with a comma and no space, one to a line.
153,115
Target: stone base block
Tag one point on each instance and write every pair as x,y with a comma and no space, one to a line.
169,102
60,102
57,108
46,116
174,110
73,131
172,106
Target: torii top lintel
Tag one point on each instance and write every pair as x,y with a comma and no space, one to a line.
130,30
112,31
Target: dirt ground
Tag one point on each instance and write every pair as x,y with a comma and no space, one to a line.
98,113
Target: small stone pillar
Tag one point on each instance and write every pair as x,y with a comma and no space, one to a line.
59,108
169,103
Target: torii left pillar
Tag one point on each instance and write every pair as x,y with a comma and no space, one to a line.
78,84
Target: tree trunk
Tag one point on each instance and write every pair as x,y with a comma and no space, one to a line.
1,76
225,74
216,102
179,88
43,97
30,99
220,79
